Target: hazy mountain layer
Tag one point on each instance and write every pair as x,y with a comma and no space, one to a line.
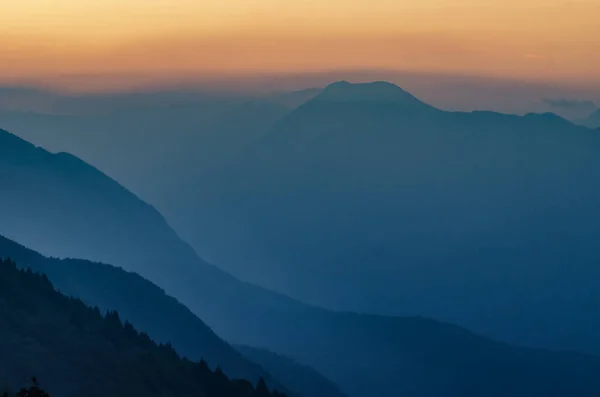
304,380
98,218
363,354
367,199
165,147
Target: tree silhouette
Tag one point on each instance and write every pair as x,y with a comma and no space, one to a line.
33,391
261,388
101,354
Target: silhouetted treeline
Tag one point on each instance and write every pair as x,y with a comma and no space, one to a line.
77,351
146,306
32,391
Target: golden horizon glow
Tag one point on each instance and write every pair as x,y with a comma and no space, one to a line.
120,41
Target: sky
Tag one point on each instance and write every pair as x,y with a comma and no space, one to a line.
101,45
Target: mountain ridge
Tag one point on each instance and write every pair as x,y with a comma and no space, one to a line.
372,94
305,380
336,344
138,301
423,342
77,351
71,182
415,195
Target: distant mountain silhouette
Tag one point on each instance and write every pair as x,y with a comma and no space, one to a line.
363,354
377,93
366,199
76,351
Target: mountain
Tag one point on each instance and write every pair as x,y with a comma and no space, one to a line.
369,200
363,354
406,356
99,218
377,94
165,320
166,147
142,304
78,352
301,378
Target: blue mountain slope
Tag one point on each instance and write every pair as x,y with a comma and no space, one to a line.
369,200
363,354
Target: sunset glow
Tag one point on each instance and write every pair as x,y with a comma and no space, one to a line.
55,43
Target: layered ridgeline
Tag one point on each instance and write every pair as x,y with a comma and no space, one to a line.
61,206
78,352
165,146
301,378
409,356
466,217
141,303
363,354
369,200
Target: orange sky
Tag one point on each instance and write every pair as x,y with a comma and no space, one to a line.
113,42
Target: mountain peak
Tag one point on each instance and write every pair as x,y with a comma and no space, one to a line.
377,91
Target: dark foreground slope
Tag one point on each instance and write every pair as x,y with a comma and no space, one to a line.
141,303
77,352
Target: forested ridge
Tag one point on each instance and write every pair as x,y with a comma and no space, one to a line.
75,350
146,306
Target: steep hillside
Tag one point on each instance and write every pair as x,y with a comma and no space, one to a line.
147,307
98,218
165,147
77,352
